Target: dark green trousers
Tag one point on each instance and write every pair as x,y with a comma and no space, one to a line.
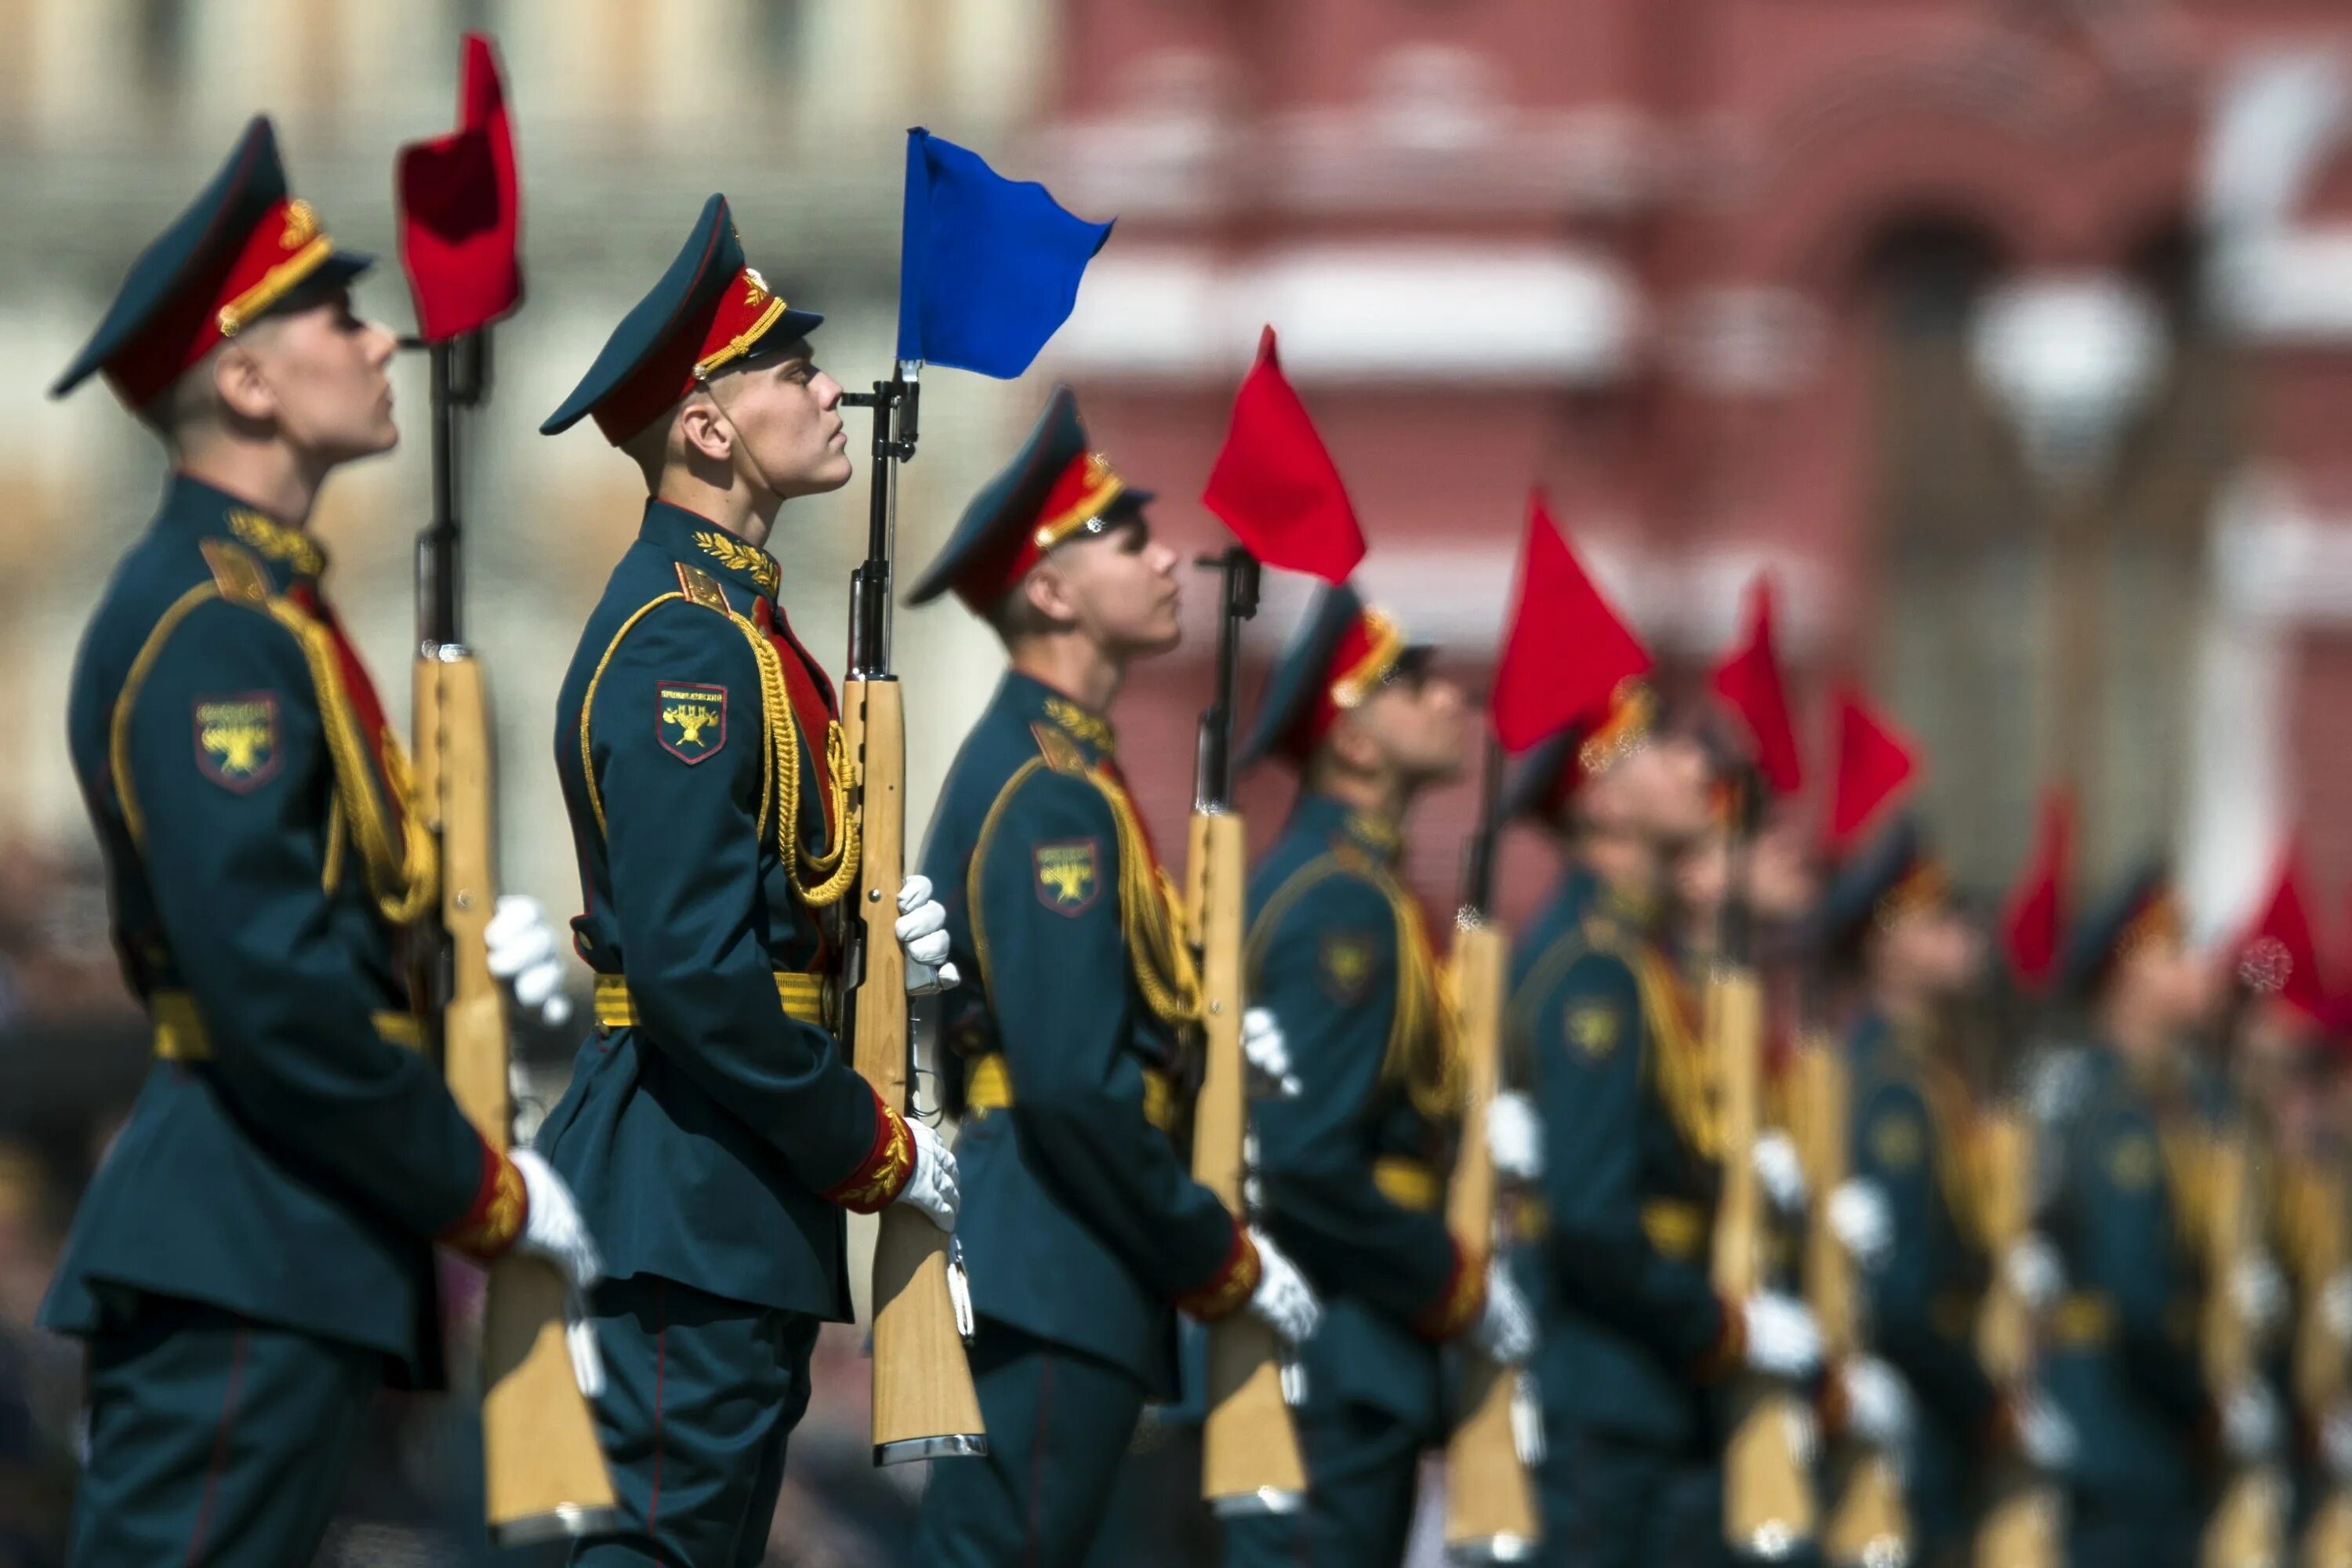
1059,1422
701,1395
2111,1530
214,1440
1611,1502
1362,1472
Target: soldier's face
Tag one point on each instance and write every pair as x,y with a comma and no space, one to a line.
1664,782
319,375
1119,587
787,416
1415,720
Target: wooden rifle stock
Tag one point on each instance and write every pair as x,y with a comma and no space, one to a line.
1490,1506
924,1402
1768,1499
2314,1198
2248,1526
2022,1522
543,1474
1249,1451
1865,1523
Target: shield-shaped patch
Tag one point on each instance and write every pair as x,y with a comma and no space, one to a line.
236,739
690,721
1345,966
1069,875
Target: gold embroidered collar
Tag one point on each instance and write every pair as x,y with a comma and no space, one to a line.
269,537
1091,728
737,556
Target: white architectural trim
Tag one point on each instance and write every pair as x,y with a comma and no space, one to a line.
2289,285
1545,314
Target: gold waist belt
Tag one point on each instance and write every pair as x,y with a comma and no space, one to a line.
988,1086
180,1034
1675,1226
804,996
2082,1318
1408,1183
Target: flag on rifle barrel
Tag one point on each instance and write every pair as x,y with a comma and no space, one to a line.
1567,650
1748,681
1274,482
460,209
988,267
2033,919
1874,764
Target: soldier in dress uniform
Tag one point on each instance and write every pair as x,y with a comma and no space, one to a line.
1635,1336
714,1131
2122,1360
1353,1168
254,1256
1890,926
1075,1022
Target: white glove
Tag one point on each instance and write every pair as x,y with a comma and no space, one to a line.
932,1185
1778,1171
1506,1331
2044,1435
1783,1340
2031,1269
1515,1138
1268,1056
1863,1223
1283,1298
523,954
2258,1292
923,932
553,1230
2335,1305
1877,1401
2251,1423
2335,1441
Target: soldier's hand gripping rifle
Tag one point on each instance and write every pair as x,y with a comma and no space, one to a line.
543,1473
924,1402
1249,1451
1767,1499
1490,1506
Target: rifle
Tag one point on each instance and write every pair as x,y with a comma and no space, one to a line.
2021,1519
1250,1461
1490,1506
2315,1196
1768,1500
543,1474
924,1402
2248,1526
1864,1521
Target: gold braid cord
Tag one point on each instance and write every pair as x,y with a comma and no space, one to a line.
1151,910
398,853
1684,1078
820,880
1423,1051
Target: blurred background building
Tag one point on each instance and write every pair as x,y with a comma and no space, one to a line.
2014,337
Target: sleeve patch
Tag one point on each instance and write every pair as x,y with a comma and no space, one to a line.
2132,1162
236,740
690,721
1592,1029
1069,875
1345,964
1897,1140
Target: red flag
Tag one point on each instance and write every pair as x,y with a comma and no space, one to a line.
1567,648
2034,921
2278,957
1275,486
1748,681
460,211
1875,761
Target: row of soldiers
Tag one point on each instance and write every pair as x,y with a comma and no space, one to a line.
254,1255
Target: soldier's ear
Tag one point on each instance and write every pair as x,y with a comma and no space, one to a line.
1047,592
704,432
242,387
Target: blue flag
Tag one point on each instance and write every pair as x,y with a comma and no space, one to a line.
988,267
